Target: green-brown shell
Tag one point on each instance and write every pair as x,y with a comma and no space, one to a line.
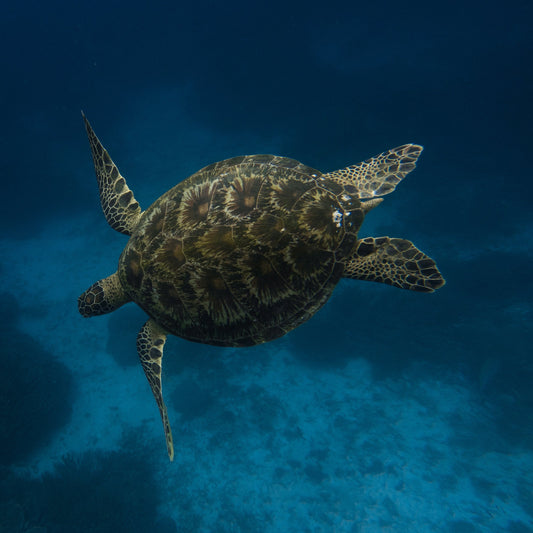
241,252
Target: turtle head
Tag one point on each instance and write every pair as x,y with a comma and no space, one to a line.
102,297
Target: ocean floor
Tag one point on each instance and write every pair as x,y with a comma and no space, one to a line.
291,436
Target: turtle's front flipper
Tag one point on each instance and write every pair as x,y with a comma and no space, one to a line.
379,175
150,342
396,262
121,210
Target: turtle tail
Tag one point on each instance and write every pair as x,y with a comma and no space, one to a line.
102,297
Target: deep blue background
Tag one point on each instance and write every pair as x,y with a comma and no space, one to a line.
171,87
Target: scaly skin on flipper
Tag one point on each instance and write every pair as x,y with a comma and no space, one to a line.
395,262
150,342
121,210
379,175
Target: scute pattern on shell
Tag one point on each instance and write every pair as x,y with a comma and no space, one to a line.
242,251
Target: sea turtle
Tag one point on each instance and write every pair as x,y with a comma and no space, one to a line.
247,249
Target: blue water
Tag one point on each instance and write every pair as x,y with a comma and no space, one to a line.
387,411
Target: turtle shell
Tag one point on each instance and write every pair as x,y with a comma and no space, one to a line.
241,252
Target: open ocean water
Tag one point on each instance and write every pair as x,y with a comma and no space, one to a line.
387,411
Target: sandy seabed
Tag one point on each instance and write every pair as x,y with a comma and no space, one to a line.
265,442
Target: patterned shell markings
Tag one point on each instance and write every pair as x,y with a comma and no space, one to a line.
194,259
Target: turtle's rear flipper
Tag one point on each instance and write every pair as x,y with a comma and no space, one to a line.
395,262
120,208
150,342
379,175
